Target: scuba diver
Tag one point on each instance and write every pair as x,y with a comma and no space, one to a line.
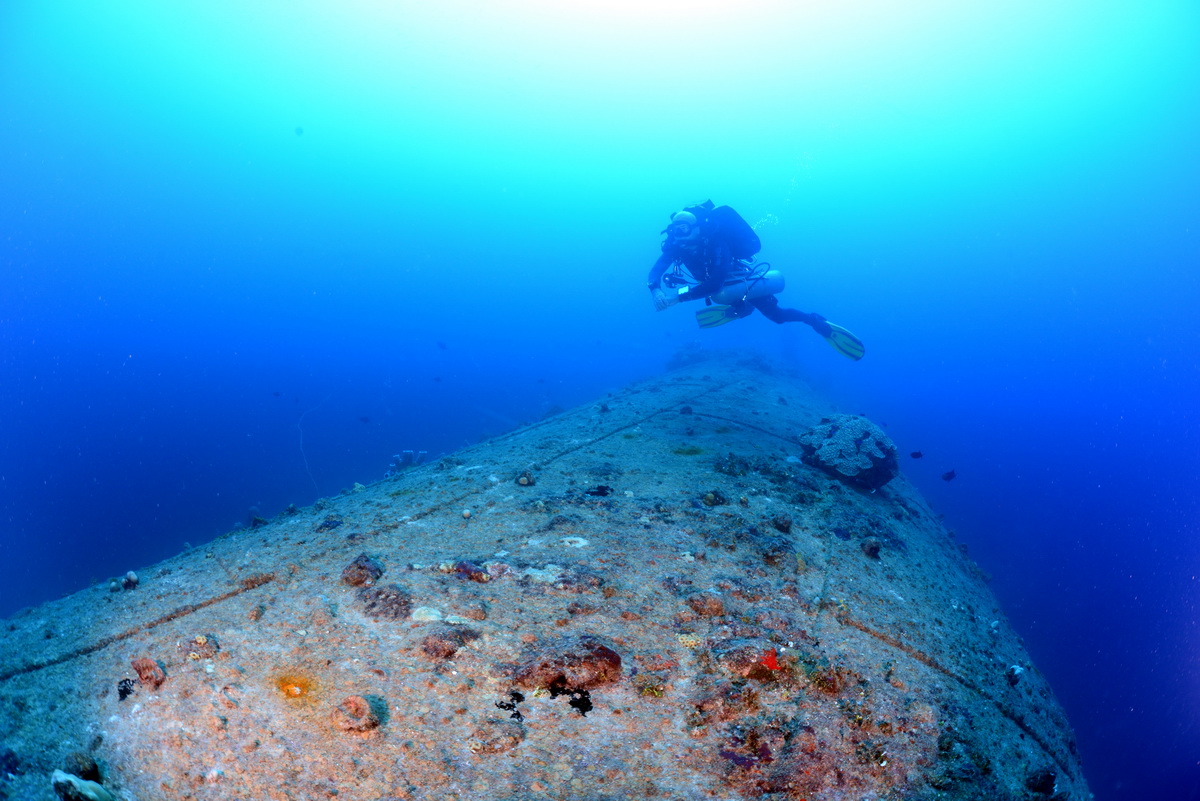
709,253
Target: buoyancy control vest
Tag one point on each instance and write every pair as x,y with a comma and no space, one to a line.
723,224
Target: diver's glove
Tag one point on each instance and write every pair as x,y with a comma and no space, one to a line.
663,299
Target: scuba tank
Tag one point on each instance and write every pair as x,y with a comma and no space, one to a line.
752,282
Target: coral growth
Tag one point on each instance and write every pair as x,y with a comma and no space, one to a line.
746,658
73,788
149,672
444,641
578,663
852,449
706,604
364,571
329,523
726,701
202,646
496,737
468,570
389,602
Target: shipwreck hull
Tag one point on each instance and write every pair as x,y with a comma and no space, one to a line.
651,596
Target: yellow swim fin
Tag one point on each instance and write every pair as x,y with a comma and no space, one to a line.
844,342
712,316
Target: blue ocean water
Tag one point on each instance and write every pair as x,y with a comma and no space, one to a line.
250,251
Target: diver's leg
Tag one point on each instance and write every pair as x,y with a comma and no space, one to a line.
769,306
739,309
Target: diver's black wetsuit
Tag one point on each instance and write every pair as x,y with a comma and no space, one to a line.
710,263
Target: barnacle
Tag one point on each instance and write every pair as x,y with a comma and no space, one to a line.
355,714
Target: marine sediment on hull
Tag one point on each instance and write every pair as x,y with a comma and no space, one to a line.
653,596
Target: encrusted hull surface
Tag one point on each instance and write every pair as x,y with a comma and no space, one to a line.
650,596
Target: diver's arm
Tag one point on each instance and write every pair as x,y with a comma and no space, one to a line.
656,272
663,299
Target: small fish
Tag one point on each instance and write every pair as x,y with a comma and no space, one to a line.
770,661
441,345
950,476
916,454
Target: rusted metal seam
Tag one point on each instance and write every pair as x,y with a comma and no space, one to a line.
744,424
250,583
551,460
638,422
426,512
929,661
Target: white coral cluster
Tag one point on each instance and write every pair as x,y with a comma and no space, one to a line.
849,445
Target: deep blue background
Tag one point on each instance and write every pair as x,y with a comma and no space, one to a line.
246,257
